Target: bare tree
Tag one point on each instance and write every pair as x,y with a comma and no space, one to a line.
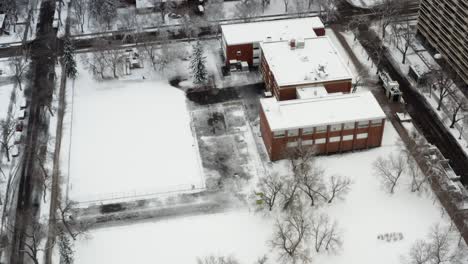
325,234
357,23
115,59
291,235
80,8
311,183
96,64
215,11
67,219
390,170
191,26
359,79
7,133
289,192
163,7
104,11
262,260
217,260
247,9
286,4
440,247
339,186
269,188
19,66
458,108
300,7
403,35
388,12
33,245
417,176
328,11
419,253
443,83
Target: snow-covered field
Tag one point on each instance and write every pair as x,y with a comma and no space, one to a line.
130,138
366,212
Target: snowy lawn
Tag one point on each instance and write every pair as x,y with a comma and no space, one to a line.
5,95
130,138
366,212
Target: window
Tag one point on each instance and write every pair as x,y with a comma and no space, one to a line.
292,144
238,53
347,137
361,136
307,131
363,124
278,134
320,129
293,133
320,141
307,142
377,122
336,127
349,125
334,139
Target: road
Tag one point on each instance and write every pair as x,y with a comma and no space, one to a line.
39,92
124,38
422,114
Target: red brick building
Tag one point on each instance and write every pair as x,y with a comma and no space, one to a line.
290,64
331,123
241,42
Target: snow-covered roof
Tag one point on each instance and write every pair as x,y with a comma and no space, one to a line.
328,110
243,33
311,92
317,61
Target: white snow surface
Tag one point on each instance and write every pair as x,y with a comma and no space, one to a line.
180,240
130,138
366,212
332,109
285,29
5,94
301,65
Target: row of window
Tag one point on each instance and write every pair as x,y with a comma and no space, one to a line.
317,141
322,129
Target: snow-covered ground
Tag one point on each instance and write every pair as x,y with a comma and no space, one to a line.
129,137
181,240
366,212
17,34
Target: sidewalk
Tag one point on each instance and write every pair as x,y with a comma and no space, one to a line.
421,59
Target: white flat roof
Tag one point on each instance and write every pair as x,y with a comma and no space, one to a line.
329,110
285,29
303,65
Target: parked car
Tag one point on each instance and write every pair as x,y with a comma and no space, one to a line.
174,15
200,10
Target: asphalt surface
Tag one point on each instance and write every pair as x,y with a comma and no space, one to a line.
39,93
